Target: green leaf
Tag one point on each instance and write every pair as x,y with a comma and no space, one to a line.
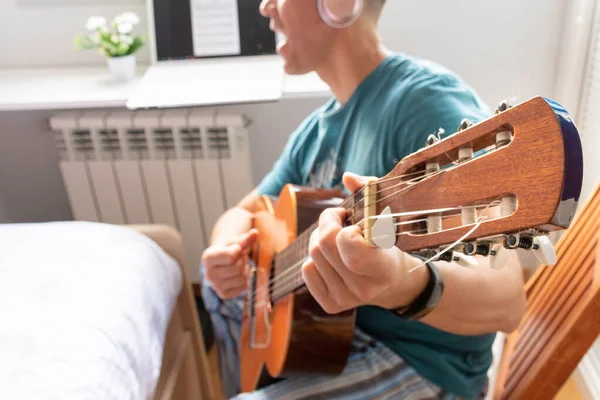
138,42
85,43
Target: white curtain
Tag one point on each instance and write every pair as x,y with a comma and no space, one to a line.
588,121
589,117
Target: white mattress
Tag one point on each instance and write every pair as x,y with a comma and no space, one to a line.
83,311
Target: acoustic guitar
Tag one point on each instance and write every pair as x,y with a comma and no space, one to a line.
525,162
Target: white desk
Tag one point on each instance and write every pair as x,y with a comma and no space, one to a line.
93,87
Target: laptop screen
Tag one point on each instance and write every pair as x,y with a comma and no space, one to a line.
189,29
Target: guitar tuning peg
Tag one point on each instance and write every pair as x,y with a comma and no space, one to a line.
481,248
511,242
431,140
541,246
544,250
465,124
498,254
504,105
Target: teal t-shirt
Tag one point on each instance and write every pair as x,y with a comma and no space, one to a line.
389,116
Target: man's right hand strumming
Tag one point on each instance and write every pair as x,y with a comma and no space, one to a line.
226,265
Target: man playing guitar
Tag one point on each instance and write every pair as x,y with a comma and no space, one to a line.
385,106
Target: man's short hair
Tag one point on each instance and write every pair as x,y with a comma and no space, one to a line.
375,6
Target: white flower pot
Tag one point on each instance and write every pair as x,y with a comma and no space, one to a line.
122,68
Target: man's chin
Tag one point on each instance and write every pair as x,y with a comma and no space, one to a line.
294,69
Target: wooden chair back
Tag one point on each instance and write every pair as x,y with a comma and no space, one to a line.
562,320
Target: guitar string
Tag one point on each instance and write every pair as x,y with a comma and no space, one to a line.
454,163
423,173
307,232
413,180
361,190
345,202
292,248
292,284
384,180
288,275
306,235
478,223
282,276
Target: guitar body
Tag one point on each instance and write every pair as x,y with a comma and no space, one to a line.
294,336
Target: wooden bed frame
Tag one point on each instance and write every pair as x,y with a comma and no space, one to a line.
184,373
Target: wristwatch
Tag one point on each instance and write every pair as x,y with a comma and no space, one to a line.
428,299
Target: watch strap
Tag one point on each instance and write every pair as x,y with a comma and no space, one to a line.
428,299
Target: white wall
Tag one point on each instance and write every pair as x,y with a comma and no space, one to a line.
505,49
42,35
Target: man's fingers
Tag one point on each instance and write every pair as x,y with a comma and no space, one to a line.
220,272
336,287
353,182
324,257
248,239
229,254
356,254
330,225
333,217
232,293
232,283
222,255
317,287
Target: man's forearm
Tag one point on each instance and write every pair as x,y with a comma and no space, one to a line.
233,222
479,301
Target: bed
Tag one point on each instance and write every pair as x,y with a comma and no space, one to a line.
97,311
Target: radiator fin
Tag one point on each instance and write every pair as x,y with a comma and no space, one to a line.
82,144
110,148
218,143
179,168
191,142
137,145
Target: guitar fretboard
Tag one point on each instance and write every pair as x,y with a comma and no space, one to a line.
288,264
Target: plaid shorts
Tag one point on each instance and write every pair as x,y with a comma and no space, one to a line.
373,370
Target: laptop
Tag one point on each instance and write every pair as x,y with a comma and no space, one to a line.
209,52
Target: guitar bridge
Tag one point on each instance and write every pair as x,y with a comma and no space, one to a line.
258,299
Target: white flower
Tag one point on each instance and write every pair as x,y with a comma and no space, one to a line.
124,28
94,23
127,18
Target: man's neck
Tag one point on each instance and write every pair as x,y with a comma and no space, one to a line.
354,57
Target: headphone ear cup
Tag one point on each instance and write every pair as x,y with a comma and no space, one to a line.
340,13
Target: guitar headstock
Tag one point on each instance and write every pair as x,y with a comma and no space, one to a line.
522,168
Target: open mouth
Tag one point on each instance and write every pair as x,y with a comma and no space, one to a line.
280,39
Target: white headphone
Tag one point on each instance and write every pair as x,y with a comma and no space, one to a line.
340,13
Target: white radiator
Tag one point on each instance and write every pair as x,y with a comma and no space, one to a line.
182,168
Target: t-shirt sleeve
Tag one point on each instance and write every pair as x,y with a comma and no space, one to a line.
288,167
439,102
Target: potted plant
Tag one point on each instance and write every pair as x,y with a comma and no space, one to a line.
115,41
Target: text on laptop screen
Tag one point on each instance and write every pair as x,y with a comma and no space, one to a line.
210,28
